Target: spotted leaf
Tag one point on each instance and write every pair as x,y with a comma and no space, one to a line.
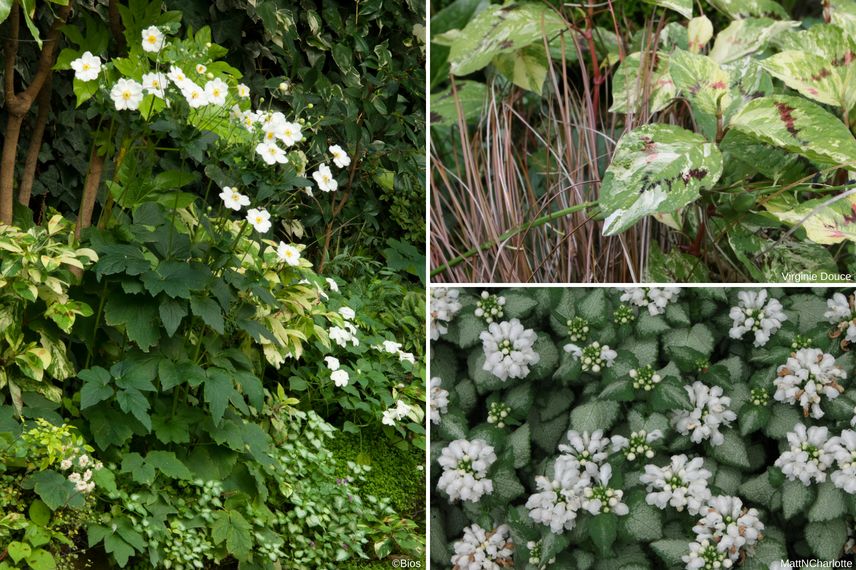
656,168
744,37
634,79
682,7
740,9
824,224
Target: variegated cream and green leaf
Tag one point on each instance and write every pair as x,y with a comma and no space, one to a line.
633,78
798,126
826,220
444,106
705,84
745,37
526,68
745,156
682,7
699,32
820,63
656,169
741,9
842,13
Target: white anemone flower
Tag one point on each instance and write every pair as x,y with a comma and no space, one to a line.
480,549
340,157
243,91
811,453
259,219
758,314
194,94
155,84
288,253
710,412
324,178
153,39
177,76
233,199
465,465
332,362
271,153
682,484
509,349
126,94
87,67
216,91
340,377
290,134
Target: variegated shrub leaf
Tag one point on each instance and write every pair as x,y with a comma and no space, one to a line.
745,155
819,63
740,9
699,32
444,107
501,29
656,168
701,80
842,13
682,7
828,225
526,68
798,126
743,37
630,84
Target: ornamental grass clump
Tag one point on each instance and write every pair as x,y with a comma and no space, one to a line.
666,439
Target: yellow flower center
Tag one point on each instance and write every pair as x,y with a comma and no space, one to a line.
86,67
126,95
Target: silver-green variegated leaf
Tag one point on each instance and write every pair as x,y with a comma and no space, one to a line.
500,29
631,86
741,9
820,63
799,126
656,168
701,80
745,155
824,224
682,7
747,36
842,13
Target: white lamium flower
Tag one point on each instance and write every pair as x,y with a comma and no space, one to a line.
559,499
153,39
126,94
586,449
842,314
233,199
807,376
259,219
155,84
594,357
756,313
844,449
194,94
729,525
810,454
710,412
704,555
332,362
340,377
638,445
216,91
243,91
480,549
444,306
490,307
324,178
86,67
271,153
465,465
655,299
682,484
599,497
439,403
508,349
288,253
340,157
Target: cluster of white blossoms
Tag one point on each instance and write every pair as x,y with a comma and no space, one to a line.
497,413
490,307
594,357
811,454
396,413
444,306
655,299
580,482
465,465
724,534
439,401
347,333
638,445
338,375
480,549
644,378
578,329
509,349
808,375
535,555
682,484
842,314
844,450
757,313
710,412
82,468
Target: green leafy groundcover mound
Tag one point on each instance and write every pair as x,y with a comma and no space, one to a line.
642,428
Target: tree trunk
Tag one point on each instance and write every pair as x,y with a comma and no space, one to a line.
7,167
32,160
90,192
